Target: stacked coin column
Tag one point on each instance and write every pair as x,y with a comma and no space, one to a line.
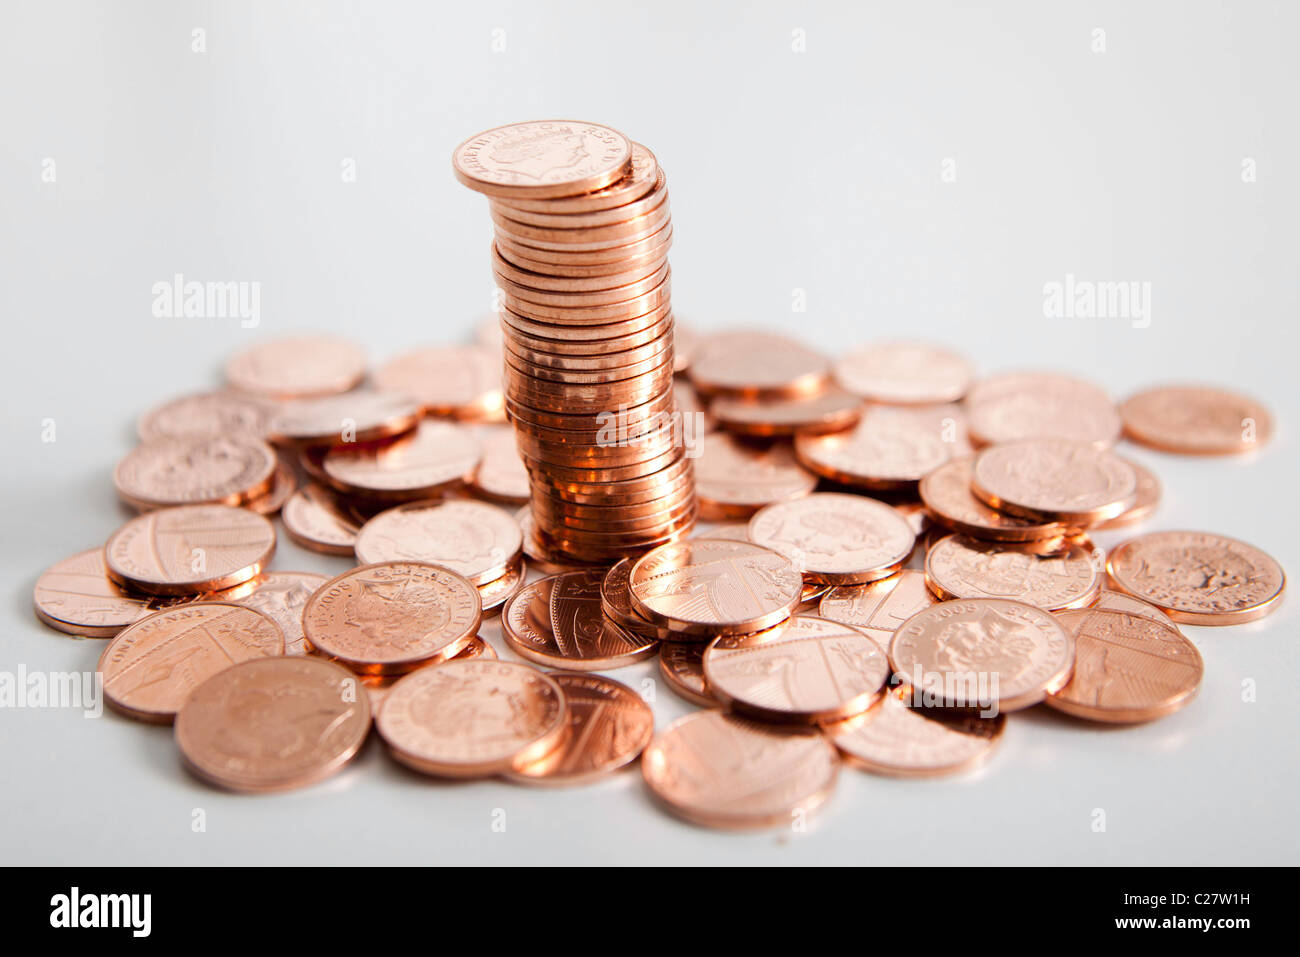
580,256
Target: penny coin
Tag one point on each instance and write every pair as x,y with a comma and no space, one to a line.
1127,668
283,484
831,411
208,414
616,601
960,567
478,648
878,608
1054,481
150,669
559,622
1145,503
901,741
189,549
282,596
642,178
1008,408
343,420
1118,601
543,159
733,480
75,596
722,770
273,724
682,665
948,498
438,456
474,539
804,671
540,555
392,617
980,652
707,587
1196,420
904,373
377,686
835,538
459,381
501,475
497,592
609,727
297,367
1198,577
314,520
757,365
891,448
473,718
195,469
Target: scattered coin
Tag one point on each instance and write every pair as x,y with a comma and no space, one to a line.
559,622
830,411
479,541
757,365
734,480
835,538
437,457
195,470
878,608
1118,601
948,499
496,593
463,382
904,373
314,520
501,475
961,567
1008,408
344,420
682,665
1145,503
210,414
1196,420
891,448
76,597
616,602
299,367
1054,481
282,596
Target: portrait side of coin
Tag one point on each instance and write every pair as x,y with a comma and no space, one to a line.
271,724
314,520
541,159
207,414
904,373
734,480
474,539
1068,577
1041,405
297,367
1196,420
1054,481
946,492
195,470
835,538
282,596
560,622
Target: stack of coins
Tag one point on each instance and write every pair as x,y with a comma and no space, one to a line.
580,259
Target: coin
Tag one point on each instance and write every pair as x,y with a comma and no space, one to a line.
682,665
734,480
1118,601
835,538
559,622
76,597
638,181
960,567
891,448
496,593
473,718
731,533
344,420
314,520
459,381
757,365
616,601
208,414
609,726
904,373
150,669
878,608
438,456
1054,481
392,617
543,159
283,484
830,411
1198,577
1127,668
806,670
948,498
501,475
297,367
722,770
282,596
981,652
194,470
1196,420
900,741
474,539
1008,408
708,587
1146,500
189,549
273,724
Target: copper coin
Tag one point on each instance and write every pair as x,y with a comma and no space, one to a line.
392,617
314,520
804,671
473,539
1198,577
757,365
282,596
682,665
1008,408
722,770
622,212
878,608
540,555
473,718
960,567
195,469
1146,501
891,448
496,593
76,597
1118,601
542,258
582,238
297,367
283,484
501,475
559,622
542,159
708,587
734,480
638,181
901,741
273,724
1127,668
904,373
982,652
189,549
343,420
208,414
618,298
1196,420
609,727
1051,480
616,601
459,381
836,538
830,411
948,498
150,669
438,456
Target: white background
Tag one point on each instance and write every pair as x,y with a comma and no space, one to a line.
818,171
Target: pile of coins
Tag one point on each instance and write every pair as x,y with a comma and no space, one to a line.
580,259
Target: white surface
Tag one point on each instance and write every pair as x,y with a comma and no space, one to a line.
818,171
